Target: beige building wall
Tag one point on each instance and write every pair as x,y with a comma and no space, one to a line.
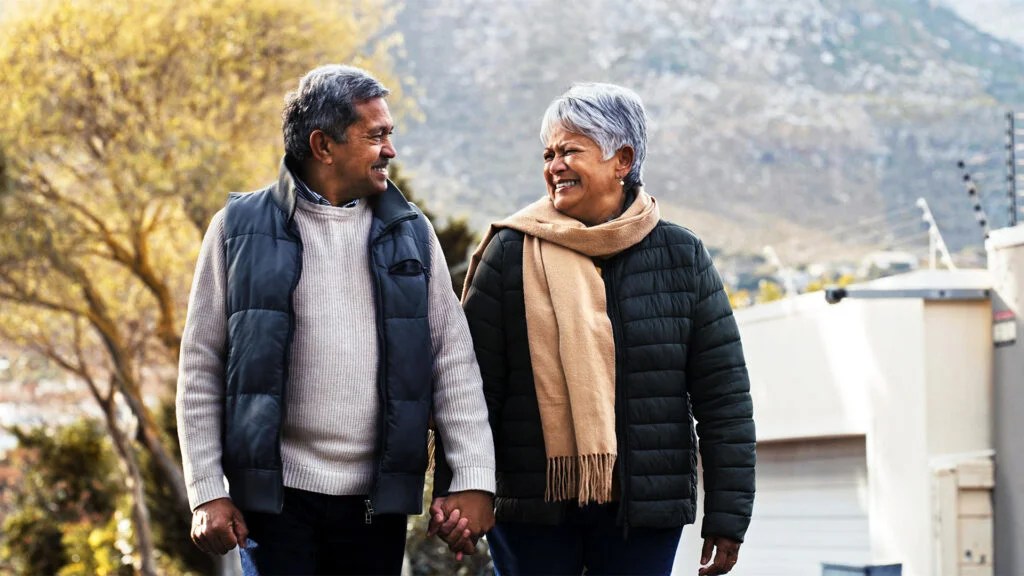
958,345
809,367
898,476
913,377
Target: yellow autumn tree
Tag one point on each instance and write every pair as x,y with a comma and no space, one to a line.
768,291
122,127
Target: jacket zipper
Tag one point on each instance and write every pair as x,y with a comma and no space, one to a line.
611,269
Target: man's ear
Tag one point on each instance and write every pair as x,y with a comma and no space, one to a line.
320,143
624,161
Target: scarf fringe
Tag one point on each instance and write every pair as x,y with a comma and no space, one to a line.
586,478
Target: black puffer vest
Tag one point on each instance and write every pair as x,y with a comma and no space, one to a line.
678,357
264,257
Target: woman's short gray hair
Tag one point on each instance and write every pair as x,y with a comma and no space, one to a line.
325,100
610,115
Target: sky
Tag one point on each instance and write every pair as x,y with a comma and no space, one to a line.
1000,18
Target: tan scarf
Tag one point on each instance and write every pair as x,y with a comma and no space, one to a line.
571,343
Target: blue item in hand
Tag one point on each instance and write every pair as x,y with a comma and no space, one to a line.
248,564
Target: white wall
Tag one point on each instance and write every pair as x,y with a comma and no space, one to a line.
808,367
912,377
811,507
820,371
958,345
899,498
936,401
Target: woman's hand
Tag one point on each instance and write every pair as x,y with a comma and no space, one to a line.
727,552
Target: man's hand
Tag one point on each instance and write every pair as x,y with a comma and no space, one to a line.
461,519
476,506
217,526
728,552
452,528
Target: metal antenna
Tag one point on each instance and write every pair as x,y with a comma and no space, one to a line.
936,245
975,195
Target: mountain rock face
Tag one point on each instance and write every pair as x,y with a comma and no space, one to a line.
809,124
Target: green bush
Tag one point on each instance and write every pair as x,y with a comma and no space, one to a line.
32,542
98,550
71,514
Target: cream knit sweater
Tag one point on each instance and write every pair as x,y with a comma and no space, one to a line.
329,432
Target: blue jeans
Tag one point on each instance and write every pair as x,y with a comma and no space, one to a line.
587,539
321,534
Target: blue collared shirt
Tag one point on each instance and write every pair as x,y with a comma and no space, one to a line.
308,194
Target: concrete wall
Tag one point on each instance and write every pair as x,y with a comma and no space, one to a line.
898,477
958,370
821,371
811,366
936,403
1006,263
912,376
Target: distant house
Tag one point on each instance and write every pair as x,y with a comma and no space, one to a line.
887,263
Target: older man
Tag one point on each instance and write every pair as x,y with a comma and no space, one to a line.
321,335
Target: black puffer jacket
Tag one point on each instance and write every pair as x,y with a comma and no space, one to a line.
678,357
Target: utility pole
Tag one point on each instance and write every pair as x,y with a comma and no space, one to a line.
1011,165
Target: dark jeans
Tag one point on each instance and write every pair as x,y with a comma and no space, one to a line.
321,534
587,539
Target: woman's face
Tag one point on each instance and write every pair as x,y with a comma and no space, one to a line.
581,184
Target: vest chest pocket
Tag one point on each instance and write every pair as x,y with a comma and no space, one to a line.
403,273
408,267
406,289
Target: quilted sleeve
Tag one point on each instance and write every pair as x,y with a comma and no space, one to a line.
720,395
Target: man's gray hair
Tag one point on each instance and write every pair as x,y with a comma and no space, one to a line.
325,100
610,115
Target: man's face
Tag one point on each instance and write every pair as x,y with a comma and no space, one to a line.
361,162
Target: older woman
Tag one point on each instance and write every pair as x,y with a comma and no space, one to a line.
602,331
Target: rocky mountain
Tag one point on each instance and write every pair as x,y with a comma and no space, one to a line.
811,125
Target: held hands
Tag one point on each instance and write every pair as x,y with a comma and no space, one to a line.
460,519
217,527
728,552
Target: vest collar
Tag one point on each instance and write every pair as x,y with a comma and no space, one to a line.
389,207
285,193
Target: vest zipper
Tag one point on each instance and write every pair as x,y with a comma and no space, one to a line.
288,347
382,374
369,512
381,386
610,274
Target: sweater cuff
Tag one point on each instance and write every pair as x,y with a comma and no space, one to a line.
472,479
206,489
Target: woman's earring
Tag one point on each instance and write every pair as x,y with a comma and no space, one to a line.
622,182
